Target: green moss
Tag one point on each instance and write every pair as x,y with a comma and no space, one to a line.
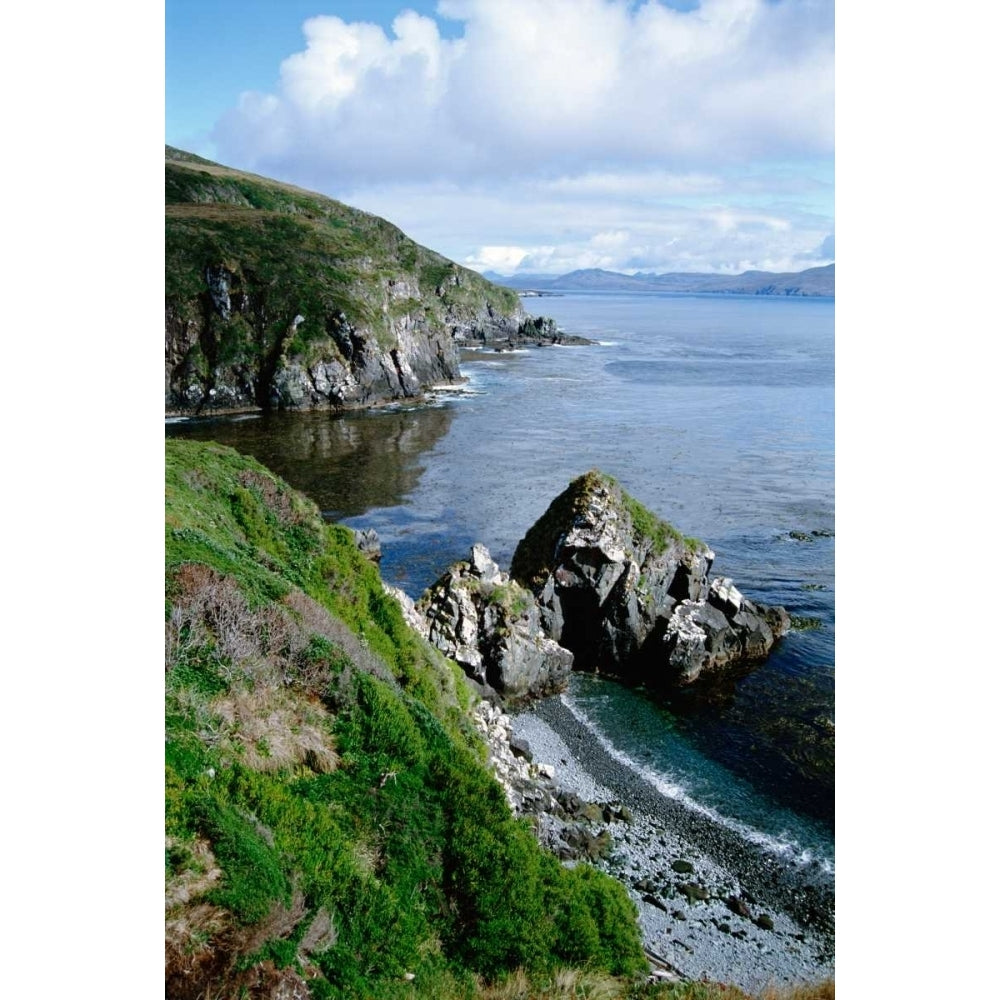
253,879
512,597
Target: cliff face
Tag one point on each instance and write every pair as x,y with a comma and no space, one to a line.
277,297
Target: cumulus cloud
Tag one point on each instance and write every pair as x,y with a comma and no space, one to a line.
551,135
534,87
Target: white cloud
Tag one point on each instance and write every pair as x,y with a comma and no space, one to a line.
535,87
566,133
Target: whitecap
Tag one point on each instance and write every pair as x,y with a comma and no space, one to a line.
781,845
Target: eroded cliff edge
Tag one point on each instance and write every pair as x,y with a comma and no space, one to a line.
278,297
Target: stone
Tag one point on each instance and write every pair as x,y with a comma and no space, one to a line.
482,564
682,867
628,595
737,906
693,892
491,627
653,901
369,544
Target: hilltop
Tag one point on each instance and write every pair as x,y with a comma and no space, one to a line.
278,297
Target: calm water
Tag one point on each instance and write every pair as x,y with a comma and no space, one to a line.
717,413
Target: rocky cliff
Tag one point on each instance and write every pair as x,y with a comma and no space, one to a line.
277,297
490,625
629,595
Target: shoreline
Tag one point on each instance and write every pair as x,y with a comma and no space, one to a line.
711,904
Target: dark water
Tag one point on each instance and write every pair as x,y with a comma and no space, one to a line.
717,413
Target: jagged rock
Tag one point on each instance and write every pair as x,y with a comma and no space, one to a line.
368,544
628,594
490,625
699,637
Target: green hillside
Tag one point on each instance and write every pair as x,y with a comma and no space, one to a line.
263,278
330,822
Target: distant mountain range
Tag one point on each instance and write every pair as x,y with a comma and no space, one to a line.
813,281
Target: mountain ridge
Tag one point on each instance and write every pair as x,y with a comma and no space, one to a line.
813,281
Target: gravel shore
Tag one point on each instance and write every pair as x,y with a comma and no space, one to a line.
711,904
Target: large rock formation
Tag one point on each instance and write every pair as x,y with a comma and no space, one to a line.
629,595
491,626
280,298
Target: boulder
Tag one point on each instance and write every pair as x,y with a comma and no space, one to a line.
629,594
368,544
491,627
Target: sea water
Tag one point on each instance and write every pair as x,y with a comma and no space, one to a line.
717,413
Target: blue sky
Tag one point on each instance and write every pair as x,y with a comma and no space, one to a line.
529,135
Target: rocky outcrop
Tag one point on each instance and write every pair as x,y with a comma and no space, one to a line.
629,595
491,627
704,637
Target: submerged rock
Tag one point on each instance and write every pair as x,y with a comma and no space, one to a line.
629,594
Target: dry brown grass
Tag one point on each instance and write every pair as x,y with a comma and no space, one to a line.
196,878
814,991
271,731
565,984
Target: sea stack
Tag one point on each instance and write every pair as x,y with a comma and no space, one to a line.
630,595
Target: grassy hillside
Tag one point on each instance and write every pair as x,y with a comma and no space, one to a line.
329,819
261,276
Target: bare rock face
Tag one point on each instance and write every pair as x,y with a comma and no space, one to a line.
491,627
628,594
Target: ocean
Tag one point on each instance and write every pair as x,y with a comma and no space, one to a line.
717,412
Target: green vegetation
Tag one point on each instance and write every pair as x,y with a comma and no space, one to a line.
290,253
327,811
512,597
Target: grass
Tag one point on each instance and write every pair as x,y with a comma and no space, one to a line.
321,772
288,253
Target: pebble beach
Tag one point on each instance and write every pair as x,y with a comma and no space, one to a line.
712,905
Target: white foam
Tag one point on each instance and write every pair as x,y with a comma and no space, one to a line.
782,846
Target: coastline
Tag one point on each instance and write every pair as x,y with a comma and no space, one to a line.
711,904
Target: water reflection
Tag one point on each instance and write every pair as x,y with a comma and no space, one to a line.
346,464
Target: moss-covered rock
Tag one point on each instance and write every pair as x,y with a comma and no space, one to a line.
630,595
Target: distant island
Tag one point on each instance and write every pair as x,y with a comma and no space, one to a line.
812,281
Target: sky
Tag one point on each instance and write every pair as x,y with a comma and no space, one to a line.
531,136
